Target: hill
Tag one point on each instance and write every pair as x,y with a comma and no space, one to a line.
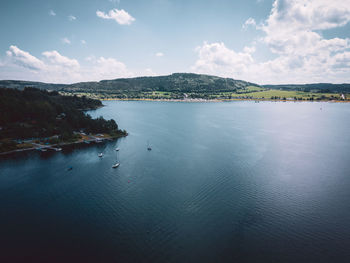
187,85
177,84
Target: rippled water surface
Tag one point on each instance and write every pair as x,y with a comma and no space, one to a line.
224,182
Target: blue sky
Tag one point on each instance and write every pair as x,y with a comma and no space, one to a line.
263,41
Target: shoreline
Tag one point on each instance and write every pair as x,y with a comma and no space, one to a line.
52,146
224,100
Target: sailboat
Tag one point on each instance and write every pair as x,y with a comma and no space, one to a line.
100,154
116,165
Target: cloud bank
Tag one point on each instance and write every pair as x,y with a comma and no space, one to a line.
292,33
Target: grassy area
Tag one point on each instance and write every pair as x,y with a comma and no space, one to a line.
251,89
268,94
249,92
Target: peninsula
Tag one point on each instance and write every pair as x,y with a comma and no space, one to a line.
38,119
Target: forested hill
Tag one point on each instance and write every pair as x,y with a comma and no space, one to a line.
177,82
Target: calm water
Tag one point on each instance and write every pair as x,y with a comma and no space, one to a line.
224,182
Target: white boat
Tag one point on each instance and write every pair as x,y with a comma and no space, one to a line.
58,149
116,165
117,149
100,154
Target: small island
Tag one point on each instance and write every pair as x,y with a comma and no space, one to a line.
45,120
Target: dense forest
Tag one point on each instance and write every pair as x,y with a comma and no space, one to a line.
35,113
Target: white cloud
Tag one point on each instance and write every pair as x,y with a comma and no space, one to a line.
308,15
65,41
108,68
292,34
249,50
56,58
120,16
83,41
71,18
249,22
24,59
53,67
292,25
159,54
217,59
52,13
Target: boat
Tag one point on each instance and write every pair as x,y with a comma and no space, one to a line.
43,150
116,165
100,154
149,146
70,168
117,149
58,149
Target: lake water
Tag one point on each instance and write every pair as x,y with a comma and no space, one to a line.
224,182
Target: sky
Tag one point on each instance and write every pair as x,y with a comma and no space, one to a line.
261,41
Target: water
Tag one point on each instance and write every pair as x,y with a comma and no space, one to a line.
224,182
